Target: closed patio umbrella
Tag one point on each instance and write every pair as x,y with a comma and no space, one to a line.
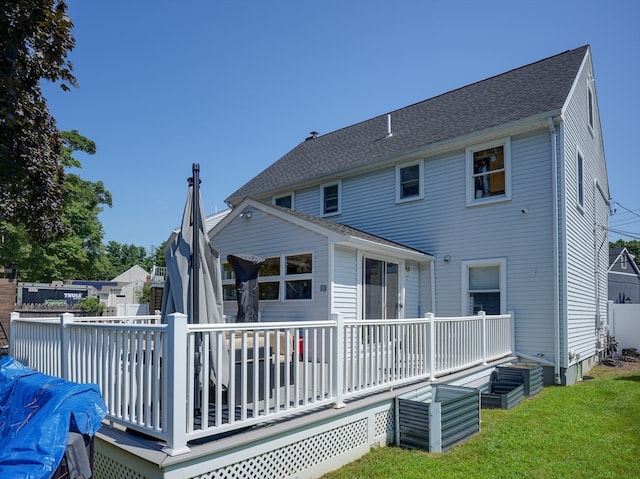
194,284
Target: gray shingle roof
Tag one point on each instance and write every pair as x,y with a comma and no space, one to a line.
345,230
534,89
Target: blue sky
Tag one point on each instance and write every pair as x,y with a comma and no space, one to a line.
234,85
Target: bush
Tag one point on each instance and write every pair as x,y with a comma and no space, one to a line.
92,305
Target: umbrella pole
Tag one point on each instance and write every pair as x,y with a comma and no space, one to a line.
195,279
195,252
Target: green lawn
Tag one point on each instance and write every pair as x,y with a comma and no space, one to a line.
590,430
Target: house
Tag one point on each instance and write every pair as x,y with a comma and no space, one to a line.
121,291
624,277
491,197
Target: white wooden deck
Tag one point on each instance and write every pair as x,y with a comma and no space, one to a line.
277,372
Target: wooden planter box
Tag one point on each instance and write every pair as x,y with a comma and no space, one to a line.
503,395
437,417
528,374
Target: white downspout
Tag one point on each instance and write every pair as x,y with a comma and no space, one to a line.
556,268
597,248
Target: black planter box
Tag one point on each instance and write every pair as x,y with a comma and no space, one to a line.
528,374
437,417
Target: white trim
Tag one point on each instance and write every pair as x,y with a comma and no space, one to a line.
322,198
282,278
291,194
579,178
464,288
591,106
470,180
362,255
399,169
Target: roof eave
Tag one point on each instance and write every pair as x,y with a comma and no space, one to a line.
395,251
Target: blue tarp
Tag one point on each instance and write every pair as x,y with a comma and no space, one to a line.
37,412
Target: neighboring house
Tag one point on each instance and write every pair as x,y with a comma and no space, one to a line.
624,277
490,197
123,289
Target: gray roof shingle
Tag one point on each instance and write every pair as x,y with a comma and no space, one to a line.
345,230
524,92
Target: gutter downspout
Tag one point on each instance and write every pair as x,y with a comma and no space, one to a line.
597,249
556,240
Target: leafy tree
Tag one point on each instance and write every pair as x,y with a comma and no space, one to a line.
77,253
144,294
120,257
156,258
36,37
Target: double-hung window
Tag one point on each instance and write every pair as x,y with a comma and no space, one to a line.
331,198
483,286
409,181
489,172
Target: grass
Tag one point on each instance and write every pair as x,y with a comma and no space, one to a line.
590,430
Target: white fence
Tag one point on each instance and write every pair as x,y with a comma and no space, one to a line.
624,324
146,370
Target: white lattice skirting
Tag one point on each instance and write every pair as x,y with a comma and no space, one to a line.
307,451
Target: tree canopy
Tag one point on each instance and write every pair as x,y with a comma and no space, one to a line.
36,37
77,252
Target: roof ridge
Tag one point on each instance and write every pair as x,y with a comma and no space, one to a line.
539,87
493,77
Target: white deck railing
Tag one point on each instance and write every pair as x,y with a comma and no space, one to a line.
146,370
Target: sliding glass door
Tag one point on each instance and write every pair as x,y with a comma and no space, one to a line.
381,289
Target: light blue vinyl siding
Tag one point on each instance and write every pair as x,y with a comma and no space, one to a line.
441,224
266,236
519,231
584,278
345,292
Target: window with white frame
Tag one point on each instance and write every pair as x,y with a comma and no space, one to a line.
489,172
285,201
590,107
331,198
484,284
409,181
580,179
281,278
229,292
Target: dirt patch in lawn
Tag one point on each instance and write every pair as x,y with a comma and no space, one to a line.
616,368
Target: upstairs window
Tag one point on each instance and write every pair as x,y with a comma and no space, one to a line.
286,201
488,172
590,106
409,183
580,180
331,199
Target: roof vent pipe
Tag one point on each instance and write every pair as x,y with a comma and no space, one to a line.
389,133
